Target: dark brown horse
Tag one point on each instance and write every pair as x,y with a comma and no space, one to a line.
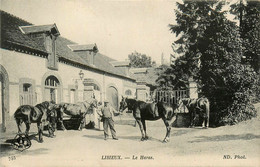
75,110
196,106
150,111
42,114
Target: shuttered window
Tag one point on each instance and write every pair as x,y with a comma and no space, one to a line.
27,91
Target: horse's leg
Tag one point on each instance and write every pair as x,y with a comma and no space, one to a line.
190,113
193,116
27,124
203,123
51,127
141,128
82,122
207,124
40,131
168,124
19,123
144,126
60,120
207,113
168,129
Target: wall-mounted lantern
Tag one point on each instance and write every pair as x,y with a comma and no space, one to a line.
81,75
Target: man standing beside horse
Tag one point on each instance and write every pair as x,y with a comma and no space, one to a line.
108,120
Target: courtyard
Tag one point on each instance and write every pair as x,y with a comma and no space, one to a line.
236,145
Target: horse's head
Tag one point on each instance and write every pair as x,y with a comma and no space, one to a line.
49,105
123,104
92,102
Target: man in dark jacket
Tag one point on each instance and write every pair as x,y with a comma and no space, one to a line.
108,120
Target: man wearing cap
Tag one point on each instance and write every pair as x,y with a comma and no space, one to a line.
108,115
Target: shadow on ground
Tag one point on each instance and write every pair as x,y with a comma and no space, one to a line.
134,138
247,136
7,149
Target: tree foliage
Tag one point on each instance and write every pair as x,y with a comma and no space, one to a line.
249,22
140,60
212,49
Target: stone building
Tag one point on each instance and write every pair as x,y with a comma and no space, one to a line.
38,64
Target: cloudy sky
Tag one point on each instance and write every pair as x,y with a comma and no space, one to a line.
117,27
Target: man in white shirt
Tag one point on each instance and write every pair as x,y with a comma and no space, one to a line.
108,120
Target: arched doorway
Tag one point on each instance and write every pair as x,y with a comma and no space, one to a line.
2,114
4,98
112,96
52,89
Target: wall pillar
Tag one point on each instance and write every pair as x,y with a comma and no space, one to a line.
88,88
141,91
193,89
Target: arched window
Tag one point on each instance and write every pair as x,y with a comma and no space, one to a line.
51,89
52,81
128,92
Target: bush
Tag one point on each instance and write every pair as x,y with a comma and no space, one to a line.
234,101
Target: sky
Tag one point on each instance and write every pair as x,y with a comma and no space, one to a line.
117,27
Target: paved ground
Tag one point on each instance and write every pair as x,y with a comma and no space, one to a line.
188,147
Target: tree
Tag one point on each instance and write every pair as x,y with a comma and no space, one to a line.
211,49
248,15
140,60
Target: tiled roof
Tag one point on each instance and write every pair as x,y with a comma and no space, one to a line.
11,32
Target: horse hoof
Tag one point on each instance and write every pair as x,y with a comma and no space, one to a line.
41,141
143,138
146,138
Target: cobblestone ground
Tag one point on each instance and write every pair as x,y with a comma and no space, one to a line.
224,146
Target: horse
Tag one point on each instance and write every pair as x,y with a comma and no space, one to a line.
41,114
150,111
75,110
200,106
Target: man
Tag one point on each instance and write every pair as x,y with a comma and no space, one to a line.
108,115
